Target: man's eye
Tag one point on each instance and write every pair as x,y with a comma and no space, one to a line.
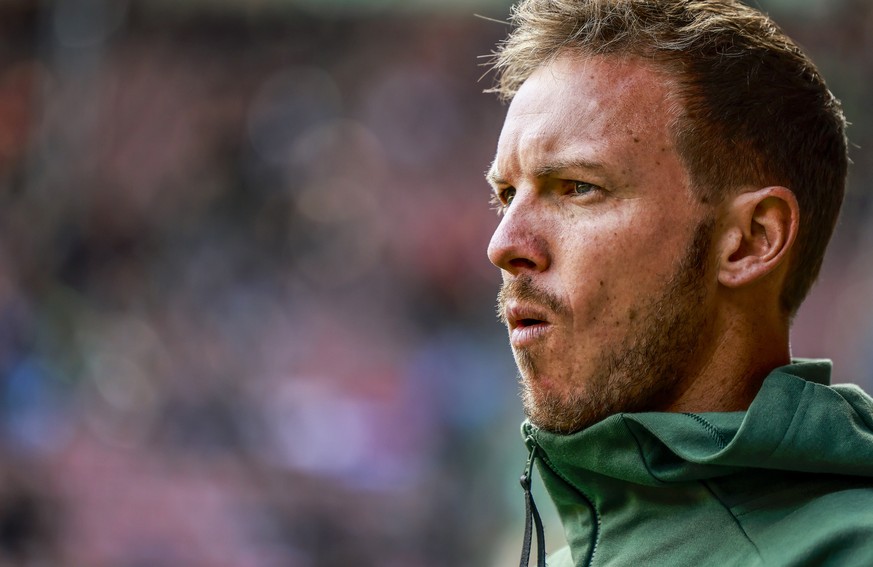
507,195
504,197
581,188
501,200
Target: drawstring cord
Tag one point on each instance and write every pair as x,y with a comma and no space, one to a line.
531,513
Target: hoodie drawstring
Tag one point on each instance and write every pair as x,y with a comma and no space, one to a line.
531,513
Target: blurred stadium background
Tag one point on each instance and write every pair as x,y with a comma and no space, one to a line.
246,318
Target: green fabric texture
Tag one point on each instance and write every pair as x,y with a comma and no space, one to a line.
787,483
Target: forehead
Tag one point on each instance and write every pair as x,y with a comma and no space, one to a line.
603,109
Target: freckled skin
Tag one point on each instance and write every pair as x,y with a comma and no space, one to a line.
605,255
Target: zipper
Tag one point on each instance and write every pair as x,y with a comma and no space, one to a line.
532,516
536,452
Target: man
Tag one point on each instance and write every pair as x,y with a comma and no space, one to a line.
669,175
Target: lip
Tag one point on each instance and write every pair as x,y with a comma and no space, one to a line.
527,324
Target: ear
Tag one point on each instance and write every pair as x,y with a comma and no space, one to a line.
759,231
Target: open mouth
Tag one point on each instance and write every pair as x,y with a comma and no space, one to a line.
524,316
527,324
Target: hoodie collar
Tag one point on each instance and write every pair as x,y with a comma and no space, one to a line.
796,422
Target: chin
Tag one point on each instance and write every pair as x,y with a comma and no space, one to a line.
551,405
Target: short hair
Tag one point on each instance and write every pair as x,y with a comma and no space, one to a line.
755,110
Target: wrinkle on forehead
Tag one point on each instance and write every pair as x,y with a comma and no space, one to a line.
571,105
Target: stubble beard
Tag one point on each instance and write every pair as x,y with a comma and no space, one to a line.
646,369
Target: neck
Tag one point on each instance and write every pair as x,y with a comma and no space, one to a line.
742,351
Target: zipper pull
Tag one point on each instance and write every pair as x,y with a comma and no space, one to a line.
531,512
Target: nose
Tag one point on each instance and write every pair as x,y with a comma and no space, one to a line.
519,244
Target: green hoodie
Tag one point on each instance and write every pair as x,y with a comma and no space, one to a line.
788,482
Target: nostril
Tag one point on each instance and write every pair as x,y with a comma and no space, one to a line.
522,263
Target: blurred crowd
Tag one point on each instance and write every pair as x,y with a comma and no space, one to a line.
246,318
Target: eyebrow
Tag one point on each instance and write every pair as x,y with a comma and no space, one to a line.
493,177
563,165
548,169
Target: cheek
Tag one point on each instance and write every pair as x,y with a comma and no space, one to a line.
591,281
612,261
611,274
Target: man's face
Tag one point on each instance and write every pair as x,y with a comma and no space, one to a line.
602,246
